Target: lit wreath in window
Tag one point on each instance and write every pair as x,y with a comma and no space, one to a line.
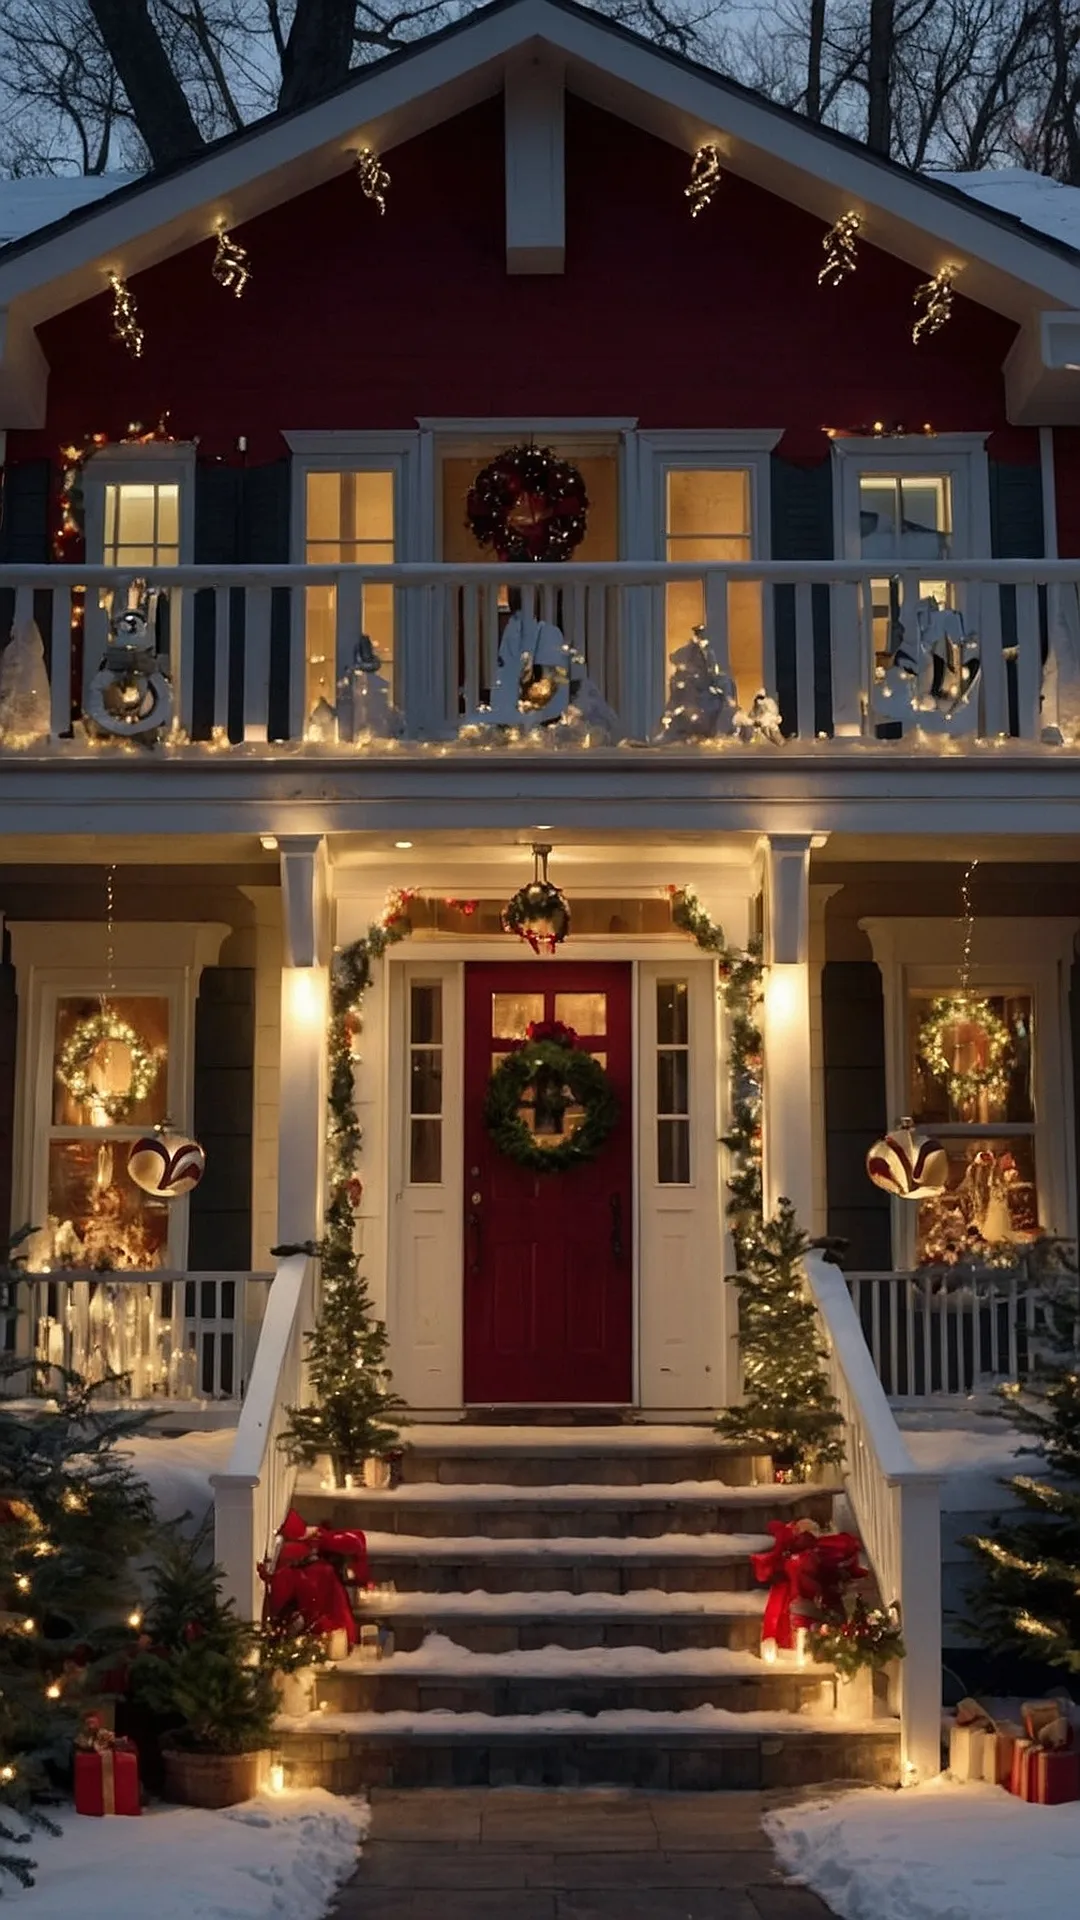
79,1051
528,505
547,1075
964,1022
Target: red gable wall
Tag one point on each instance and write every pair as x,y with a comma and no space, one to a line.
351,321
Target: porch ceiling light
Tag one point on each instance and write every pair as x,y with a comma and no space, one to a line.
539,914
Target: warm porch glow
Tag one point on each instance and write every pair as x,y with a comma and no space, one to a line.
303,993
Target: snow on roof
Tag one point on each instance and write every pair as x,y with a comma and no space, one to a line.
30,203
1043,204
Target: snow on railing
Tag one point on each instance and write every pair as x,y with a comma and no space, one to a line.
949,1332
252,1494
897,1510
942,653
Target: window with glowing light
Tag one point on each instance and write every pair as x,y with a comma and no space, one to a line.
142,524
672,1083
96,1216
349,520
990,1138
425,1082
708,518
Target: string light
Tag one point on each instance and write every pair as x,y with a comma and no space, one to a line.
29,1626
53,1692
705,177
125,320
934,302
7,1775
374,179
968,918
23,1583
231,265
135,1620
839,245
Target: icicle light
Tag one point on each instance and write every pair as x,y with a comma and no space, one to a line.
839,248
934,303
231,265
125,319
374,179
704,179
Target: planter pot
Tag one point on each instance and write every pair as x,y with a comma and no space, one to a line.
855,1697
296,1691
376,1472
214,1779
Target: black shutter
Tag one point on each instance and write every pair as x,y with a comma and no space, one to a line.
802,529
267,502
9,1013
219,1237
25,537
1074,1051
1017,532
853,1027
216,542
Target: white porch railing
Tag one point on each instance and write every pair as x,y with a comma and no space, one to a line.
898,1513
946,1334
236,639
174,1336
252,1495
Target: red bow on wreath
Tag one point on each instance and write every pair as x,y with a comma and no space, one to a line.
309,1575
807,1573
554,1030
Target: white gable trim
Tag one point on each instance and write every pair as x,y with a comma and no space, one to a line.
534,132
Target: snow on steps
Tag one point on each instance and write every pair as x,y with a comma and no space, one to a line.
574,1605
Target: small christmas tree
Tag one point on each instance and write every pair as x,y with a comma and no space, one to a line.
203,1676
353,1401
788,1410
1029,1600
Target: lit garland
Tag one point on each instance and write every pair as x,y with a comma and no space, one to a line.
839,247
933,303
77,1055
125,319
231,266
373,176
71,504
705,177
863,1637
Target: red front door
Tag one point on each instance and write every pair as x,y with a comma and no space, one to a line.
548,1256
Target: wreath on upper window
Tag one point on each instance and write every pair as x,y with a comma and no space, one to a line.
966,1047
87,1047
542,1081
527,504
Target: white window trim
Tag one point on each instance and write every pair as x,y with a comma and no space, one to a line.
701,448
960,456
359,453
927,953
159,462
576,437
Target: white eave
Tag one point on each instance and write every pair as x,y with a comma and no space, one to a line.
1004,269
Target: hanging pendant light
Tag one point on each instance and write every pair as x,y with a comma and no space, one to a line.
539,913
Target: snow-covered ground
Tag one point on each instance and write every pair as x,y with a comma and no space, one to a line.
280,1857
177,1468
935,1852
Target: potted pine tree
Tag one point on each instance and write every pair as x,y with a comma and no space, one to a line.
353,1408
205,1679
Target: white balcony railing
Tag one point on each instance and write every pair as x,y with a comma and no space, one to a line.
897,1510
947,1333
172,1336
848,653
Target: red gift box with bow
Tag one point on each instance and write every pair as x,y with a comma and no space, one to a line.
106,1773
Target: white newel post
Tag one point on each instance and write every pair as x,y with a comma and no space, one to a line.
787,1120
305,984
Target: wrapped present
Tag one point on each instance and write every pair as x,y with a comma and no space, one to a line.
1019,1775
997,1752
967,1751
1037,1714
1054,1778
106,1774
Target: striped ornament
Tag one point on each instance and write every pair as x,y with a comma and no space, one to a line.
911,1165
166,1164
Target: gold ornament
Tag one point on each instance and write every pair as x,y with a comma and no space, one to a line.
705,177
839,246
934,302
231,268
374,179
125,321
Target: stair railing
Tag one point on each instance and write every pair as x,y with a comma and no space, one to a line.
897,1510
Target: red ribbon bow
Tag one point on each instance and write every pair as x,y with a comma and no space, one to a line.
308,1578
807,1573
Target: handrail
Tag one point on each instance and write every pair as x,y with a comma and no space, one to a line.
253,1492
418,573
897,1509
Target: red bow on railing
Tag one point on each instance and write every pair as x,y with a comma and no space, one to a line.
807,1573
308,1577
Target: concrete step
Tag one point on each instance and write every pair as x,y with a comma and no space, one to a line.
674,1563
522,1513
626,1680
525,1622
708,1751
540,1456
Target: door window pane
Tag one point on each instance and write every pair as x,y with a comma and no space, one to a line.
672,1083
511,1013
708,516
425,1082
349,520
585,1012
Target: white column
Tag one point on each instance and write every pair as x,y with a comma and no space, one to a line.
305,980
787,1122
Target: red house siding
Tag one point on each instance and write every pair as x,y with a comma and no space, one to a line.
352,321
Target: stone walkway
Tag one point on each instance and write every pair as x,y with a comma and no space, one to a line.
517,1853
